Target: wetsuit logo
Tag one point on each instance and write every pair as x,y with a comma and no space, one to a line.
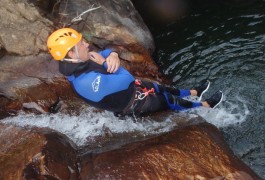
95,84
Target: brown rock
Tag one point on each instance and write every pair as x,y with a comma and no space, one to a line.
194,152
17,147
36,155
57,160
23,30
113,23
33,79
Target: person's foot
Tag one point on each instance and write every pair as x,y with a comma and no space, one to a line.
215,99
202,89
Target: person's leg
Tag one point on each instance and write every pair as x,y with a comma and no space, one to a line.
153,103
162,99
177,92
201,89
214,100
197,91
166,97
177,103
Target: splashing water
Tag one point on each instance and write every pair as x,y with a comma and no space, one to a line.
84,128
225,114
80,129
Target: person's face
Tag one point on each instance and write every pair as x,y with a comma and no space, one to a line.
83,51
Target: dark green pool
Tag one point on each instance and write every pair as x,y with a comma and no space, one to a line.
227,46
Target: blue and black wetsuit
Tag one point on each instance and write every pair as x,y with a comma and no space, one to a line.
163,98
118,92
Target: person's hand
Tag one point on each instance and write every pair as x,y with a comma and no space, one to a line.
113,62
97,58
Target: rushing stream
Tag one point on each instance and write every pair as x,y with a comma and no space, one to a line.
226,46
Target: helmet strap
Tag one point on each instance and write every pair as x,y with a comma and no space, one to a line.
72,60
77,60
76,51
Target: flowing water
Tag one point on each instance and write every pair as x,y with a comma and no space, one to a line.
225,45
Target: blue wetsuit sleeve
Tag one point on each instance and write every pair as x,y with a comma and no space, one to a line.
105,53
121,70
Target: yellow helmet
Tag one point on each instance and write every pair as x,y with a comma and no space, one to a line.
61,41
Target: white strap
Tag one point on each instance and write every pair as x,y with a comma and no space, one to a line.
76,51
73,60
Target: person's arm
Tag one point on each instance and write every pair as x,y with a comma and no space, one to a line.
112,59
113,62
95,86
99,59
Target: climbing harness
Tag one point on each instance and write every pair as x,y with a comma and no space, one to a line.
136,103
143,92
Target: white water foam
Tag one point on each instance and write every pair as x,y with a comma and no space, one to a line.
225,114
89,124
82,128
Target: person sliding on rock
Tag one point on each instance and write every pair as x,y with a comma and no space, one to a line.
100,80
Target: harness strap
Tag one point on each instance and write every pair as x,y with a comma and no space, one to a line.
140,94
146,92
